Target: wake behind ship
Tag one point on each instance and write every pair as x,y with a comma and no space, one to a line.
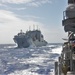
30,38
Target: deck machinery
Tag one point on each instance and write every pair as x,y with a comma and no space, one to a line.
68,49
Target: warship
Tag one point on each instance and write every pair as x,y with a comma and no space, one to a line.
32,38
66,61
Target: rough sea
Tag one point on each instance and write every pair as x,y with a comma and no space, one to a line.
28,61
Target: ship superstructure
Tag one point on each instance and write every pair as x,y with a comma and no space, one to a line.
30,38
67,58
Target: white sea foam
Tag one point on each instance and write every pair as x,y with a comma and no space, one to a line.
57,50
29,61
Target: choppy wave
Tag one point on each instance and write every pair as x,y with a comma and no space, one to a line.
28,61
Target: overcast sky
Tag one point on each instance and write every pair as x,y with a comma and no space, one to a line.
20,14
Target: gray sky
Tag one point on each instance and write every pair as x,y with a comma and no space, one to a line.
20,14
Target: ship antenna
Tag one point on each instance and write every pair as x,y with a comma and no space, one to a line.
29,28
33,27
21,30
37,27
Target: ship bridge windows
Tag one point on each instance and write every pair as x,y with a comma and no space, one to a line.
71,1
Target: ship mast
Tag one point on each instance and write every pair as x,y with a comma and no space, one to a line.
29,28
33,27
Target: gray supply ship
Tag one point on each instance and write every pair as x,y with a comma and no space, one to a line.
66,62
32,38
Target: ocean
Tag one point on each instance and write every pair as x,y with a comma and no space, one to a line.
29,61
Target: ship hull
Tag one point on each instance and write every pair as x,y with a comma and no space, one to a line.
30,39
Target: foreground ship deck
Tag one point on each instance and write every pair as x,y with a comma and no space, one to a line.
30,38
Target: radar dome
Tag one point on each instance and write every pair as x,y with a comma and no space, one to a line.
70,11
